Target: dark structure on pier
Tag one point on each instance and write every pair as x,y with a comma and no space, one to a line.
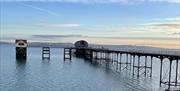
139,62
81,44
79,52
21,49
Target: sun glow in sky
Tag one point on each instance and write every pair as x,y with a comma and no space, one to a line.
54,20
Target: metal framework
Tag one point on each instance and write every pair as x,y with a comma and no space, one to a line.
134,61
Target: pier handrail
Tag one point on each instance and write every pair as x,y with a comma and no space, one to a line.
129,52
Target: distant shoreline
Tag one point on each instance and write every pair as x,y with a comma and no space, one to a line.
62,45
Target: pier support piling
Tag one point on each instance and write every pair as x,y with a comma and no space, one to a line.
45,53
67,54
170,80
141,63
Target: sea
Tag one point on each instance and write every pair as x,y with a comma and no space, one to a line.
36,74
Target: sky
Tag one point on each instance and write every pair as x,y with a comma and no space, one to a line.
59,20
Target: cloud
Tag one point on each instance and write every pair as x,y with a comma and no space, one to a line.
168,19
70,25
173,19
165,23
176,33
55,36
168,26
40,9
94,1
170,1
163,28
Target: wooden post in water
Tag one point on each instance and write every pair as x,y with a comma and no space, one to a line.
176,79
151,66
138,65
145,65
169,84
133,63
127,61
45,53
117,61
120,61
130,60
161,60
67,54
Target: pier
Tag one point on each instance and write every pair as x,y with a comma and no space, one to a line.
139,63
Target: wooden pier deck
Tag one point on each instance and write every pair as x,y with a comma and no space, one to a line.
158,55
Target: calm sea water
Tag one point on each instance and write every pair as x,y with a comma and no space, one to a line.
36,74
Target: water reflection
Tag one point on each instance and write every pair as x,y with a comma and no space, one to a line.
20,62
20,65
35,74
46,61
93,62
20,75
